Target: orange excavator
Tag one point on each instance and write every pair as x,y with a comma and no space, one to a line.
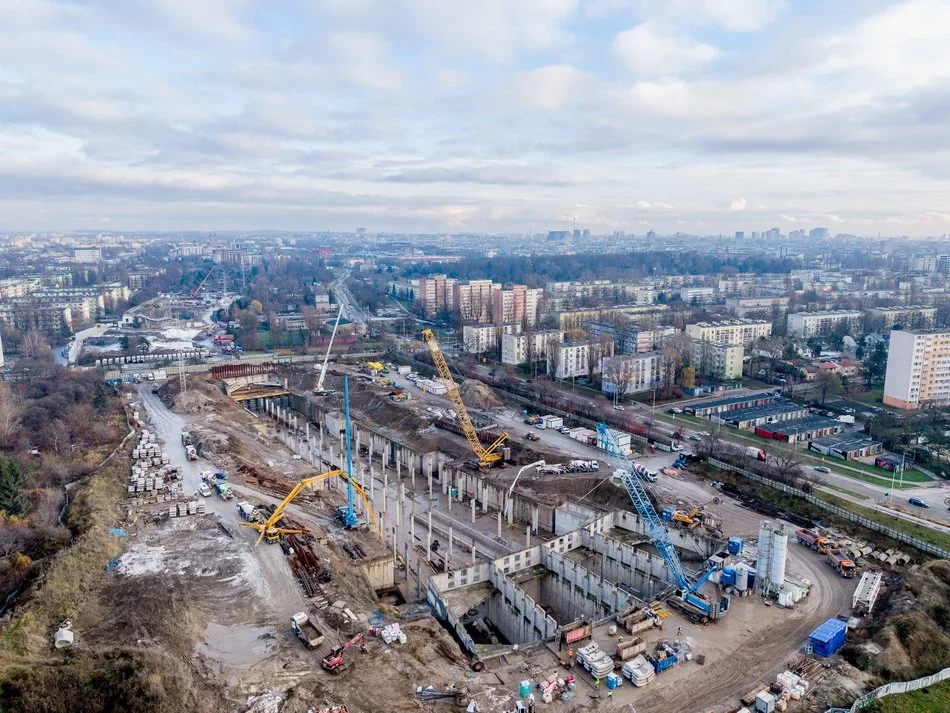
335,662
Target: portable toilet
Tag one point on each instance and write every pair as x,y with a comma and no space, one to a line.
735,545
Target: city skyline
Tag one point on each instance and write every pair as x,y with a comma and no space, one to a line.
687,116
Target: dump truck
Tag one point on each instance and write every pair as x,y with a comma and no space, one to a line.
305,630
626,650
843,564
815,541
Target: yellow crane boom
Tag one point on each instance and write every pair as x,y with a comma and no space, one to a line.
269,528
486,456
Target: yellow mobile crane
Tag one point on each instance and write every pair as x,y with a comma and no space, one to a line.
487,457
269,528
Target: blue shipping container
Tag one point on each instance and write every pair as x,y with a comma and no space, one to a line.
728,577
829,637
735,545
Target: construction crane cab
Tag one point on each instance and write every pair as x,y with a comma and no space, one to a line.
487,456
688,598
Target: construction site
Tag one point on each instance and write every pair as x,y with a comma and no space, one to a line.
355,538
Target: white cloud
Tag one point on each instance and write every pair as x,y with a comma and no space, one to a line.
363,58
549,88
735,15
647,50
738,204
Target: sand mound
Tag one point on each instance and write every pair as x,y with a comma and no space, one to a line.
478,395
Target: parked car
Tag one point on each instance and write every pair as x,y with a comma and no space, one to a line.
918,502
540,426
822,469
675,410
564,429
204,491
532,436
677,446
618,407
695,437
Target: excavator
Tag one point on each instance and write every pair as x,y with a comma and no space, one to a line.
689,519
487,457
269,530
335,662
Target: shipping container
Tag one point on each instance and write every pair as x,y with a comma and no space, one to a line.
828,638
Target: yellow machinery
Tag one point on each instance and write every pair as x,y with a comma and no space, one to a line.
376,366
689,518
487,457
272,533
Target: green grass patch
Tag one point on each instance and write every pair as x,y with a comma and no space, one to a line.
912,529
935,699
845,491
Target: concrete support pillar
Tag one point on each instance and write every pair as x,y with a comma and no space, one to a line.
527,536
412,525
412,471
473,510
385,488
535,516
372,481
450,544
398,467
429,539
460,485
499,524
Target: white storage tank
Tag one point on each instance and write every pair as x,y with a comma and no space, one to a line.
764,557
742,577
779,555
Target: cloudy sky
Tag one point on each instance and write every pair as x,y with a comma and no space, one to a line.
487,115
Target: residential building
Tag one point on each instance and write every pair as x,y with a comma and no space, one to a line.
923,263
573,359
910,316
918,369
87,255
481,338
640,372
49,319
698,295
717,360
473,300
527,347
740,331
741,306
805,325
187,250
436,294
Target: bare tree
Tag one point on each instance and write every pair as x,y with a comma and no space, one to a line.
553,355
784,464
11,406
828,381
669,366
620,370
34,345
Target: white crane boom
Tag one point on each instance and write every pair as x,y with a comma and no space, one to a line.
326,359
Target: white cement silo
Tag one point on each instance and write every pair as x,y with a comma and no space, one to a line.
779,555
764,556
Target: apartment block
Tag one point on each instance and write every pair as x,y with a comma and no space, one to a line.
698,295
810,324
918,369
909,316
473,300
527,347
717,360
741,306
481,338
740,331
436,294
640,372
87,255
573,359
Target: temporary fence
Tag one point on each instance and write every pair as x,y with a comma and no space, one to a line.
890,689
861,520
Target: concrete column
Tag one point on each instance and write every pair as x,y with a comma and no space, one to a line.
473,510
429,539
385,488
527,536
460,485
499,524
372,481
535,516
412,525
398,467
450,544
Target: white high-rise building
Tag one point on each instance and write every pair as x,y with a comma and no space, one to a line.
918,369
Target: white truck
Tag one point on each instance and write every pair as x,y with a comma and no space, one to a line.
191,453
305,630
595,661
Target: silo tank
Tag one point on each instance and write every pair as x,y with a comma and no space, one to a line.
779,554
764,556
